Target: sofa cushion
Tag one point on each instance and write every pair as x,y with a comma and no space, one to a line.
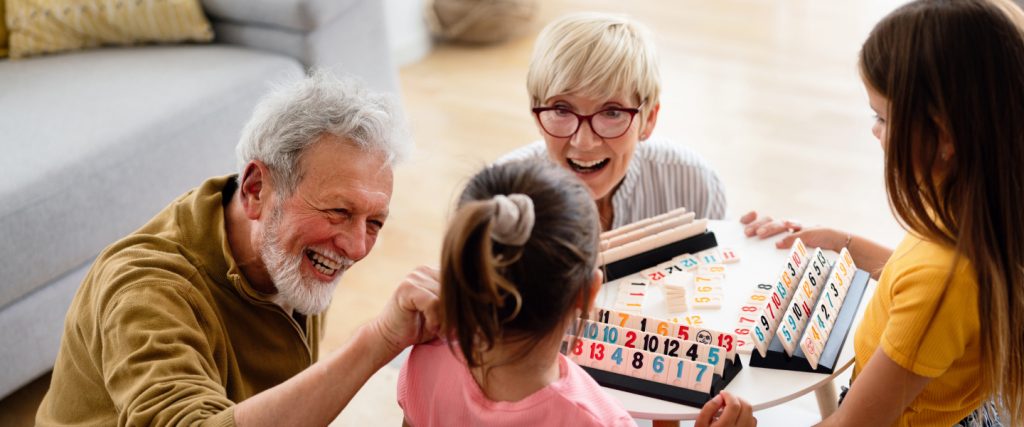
97,142
294,15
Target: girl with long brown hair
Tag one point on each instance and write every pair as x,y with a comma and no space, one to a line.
942,340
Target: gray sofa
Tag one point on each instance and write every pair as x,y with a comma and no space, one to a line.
96,142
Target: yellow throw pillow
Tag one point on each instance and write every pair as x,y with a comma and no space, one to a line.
3,31
47,26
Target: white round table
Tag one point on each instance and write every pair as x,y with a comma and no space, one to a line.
760,262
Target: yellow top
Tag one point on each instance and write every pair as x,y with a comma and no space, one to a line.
929,331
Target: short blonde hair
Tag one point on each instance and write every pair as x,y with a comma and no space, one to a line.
594,54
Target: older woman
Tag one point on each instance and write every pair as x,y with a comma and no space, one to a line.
594,87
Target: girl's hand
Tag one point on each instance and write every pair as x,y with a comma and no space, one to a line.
815,237
764,227
726,410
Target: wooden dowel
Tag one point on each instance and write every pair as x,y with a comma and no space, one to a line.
653,241
651,229
642,223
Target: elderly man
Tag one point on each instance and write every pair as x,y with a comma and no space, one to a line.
211,312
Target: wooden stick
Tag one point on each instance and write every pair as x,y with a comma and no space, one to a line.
651,229
642,223
653,241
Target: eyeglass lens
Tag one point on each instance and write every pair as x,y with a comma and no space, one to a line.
562,123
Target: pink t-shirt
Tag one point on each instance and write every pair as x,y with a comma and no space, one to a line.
436,389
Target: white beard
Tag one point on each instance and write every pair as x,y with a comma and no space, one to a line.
307,295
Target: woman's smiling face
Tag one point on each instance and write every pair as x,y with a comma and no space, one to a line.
601,163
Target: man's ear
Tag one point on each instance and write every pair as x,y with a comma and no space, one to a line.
649,122
255,189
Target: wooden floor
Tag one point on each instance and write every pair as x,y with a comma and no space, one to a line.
766,90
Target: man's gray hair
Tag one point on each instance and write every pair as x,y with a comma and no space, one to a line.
293,117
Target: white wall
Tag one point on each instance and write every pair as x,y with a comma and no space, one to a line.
407,30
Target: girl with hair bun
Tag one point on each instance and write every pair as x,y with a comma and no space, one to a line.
518,265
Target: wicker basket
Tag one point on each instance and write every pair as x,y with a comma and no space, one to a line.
479,21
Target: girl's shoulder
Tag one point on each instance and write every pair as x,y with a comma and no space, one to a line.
580,389
921,267
917,254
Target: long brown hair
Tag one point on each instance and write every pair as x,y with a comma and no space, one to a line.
953,71
493,292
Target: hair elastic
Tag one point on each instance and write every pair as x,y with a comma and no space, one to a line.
513,219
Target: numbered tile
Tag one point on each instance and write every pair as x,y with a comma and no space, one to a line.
689,319
712,270
706,302
611,334
630,307
810,352
654,274
710,288
659,370
757,299
744,329
744,345
730,256
709,256
703,376
616,360
631,339
787,337
762,289
677,374
636,363
701,279
688,262
760,335
603,361
576,353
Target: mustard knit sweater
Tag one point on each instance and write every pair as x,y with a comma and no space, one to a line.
166,330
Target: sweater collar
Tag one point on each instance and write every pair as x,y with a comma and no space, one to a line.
204,225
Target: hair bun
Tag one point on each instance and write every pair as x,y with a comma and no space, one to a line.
513,219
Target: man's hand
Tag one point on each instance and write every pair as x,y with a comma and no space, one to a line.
815,237
318,394
726,410
413,314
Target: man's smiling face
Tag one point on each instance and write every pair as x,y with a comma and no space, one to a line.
331,220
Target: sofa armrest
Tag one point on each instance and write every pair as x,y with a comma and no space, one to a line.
347,36
293,15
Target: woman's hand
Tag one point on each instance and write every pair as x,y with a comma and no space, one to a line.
815,237
726,410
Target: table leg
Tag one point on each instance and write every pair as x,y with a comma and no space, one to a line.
828,400
665,423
